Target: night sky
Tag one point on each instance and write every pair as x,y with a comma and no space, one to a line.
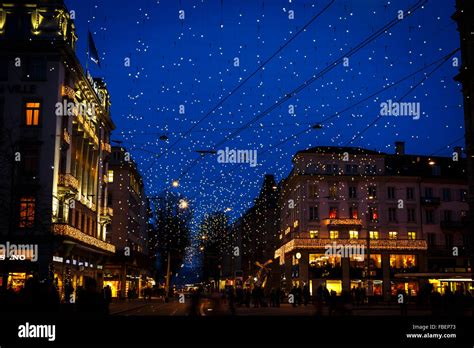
190,62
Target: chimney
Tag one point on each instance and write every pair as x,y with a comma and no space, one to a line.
399,148
458,150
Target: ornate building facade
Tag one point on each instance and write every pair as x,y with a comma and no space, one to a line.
54,142
406,213
130,268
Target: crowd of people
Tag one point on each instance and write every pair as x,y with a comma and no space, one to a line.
43,296
460,302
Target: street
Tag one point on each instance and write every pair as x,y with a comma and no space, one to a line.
158,308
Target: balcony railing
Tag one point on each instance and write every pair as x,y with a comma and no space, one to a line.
68,182
375,244
106,215
343,222
69,231
106,147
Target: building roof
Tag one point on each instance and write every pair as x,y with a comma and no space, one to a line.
340,150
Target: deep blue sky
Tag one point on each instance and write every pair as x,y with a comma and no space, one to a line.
190,62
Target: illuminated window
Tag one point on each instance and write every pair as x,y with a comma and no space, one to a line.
333,191
392,235
313,234
333,212
402,261
295,224
373,214
353,213
354,234
111,175
333,234
374,234
375,261
27,212
411,235
32,114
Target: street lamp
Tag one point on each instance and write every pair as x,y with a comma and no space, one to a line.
175,183
183,204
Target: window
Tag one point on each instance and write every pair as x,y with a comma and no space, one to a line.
333,234
428,192
429,216
27,212
353,213
332,169
391,192
352,169
353,234
374,234
402,261
333,212
372,192
392,214
449,240
412,235
411,215
431,239
370,169
463,195
466,239
111,175
313,234
333,191
313,191
446,194
30,160
375,261
35,69
32,113
373,214
410,193
352,192
392,235
313,213
3,69
447,215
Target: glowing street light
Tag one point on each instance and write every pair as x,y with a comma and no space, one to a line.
175,183
183,204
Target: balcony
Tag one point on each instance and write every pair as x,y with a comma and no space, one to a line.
106,215
343,222
106,147
66,136
67,184
430,201
408,245
70,232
